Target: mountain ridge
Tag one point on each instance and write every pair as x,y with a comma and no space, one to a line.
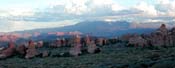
101,28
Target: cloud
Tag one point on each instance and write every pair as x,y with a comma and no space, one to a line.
74,9
162,10
21,12
163,1
57,12
5,25
116,7
166,7
77,7
8,26
147,10
17,10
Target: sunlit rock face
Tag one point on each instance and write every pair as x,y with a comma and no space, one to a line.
31,51
31,45
76,49
87,40
77,39
10,51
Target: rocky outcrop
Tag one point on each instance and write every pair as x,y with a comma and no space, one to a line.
125,37
92,47
21,50
59,42
172,36
162,30
31,51
76,49
161,37
101,41
10,51
137,40
87,40
39,44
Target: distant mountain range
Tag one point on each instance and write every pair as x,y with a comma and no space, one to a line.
93,28
102,28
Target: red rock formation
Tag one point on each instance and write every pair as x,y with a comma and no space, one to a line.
160,37
31,44
70,42
40,44
92,47
137,41
63,42
87,40
101,41
21,49
172,37
58,42
77,39
126,37
31,51
162,30
76,49
8,52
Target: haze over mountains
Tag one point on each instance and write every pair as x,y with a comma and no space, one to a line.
99,28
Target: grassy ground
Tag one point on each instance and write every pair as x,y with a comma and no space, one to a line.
111,56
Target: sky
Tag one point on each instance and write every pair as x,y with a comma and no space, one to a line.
16,15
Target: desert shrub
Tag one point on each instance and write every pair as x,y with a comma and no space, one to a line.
166,64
